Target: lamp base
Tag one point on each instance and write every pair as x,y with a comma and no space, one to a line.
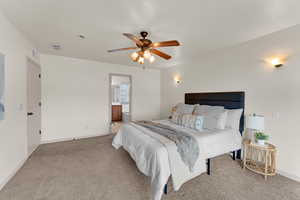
252,136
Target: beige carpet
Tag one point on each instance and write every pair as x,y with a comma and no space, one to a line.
90,169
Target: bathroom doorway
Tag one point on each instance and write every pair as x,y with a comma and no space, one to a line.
120,100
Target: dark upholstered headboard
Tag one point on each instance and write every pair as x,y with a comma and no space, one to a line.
230,100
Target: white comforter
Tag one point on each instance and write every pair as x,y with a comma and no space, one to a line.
152,159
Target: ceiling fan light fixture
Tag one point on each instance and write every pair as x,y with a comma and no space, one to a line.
135,60
152,59
141,60
147,54
146,48
134,55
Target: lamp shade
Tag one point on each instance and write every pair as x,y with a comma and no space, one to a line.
256,122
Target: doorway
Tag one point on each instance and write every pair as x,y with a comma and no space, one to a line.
120,100
33,105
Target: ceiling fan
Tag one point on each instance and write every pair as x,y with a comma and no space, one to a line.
147,48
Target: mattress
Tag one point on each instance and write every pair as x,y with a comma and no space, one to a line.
213,142
151,156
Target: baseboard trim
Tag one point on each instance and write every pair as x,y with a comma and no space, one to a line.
13,173
71,138
288,175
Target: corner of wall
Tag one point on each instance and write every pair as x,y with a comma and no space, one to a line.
288,175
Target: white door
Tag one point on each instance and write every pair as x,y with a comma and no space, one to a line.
33,106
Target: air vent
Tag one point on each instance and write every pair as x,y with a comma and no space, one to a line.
56,46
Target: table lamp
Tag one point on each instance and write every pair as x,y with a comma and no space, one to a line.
255,123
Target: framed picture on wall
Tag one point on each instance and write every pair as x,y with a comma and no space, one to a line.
2,76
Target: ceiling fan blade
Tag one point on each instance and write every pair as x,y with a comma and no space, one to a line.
133,38
165,43
161,54
122,49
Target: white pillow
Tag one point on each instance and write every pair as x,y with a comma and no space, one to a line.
176,118
202,109
215,119
182,108
192,121
233,118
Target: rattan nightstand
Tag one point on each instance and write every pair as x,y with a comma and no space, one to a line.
260,159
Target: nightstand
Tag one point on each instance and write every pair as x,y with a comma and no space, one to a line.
259,159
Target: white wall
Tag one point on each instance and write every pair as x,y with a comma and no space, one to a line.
13,129
269,91
75,96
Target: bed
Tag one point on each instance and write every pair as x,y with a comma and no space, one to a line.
152,154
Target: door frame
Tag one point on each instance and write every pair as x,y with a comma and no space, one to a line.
110,97
30,60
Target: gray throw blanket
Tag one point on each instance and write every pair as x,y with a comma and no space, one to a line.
187,145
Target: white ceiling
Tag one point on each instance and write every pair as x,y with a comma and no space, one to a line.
200,25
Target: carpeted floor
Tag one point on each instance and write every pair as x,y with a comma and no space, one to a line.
90,169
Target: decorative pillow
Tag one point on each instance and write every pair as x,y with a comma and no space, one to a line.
173,109
192,121
215,119
184,108
176,118
178,107
202,109
199,122
233,118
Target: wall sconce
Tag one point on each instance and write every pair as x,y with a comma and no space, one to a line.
177,80
277,62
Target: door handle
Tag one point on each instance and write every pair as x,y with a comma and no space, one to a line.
30,113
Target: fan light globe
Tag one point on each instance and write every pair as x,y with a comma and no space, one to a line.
141,60
147,54
134,55
152,59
